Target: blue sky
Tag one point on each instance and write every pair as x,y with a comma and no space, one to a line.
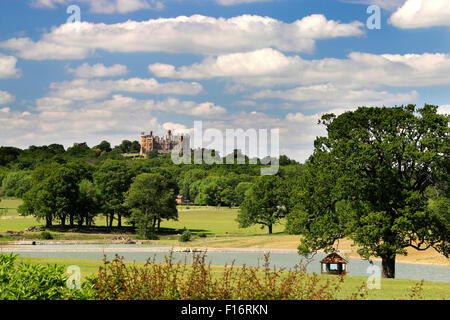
140,65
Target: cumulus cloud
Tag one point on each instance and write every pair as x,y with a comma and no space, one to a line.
87,89
269,67
444,109
58,120
98,70
6,97
326,95
104,6
422,14
194,34
25,48
297,130
8,67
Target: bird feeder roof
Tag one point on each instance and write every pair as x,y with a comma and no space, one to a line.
333,258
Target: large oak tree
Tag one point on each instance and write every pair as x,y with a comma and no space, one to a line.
381,178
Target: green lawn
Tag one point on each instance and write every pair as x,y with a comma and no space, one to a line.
11,204
390,288
210,220
217,221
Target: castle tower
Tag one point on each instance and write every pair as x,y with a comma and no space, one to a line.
143,143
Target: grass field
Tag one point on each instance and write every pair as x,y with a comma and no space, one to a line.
218,223
390,288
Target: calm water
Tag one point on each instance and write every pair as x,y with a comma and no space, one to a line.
356,267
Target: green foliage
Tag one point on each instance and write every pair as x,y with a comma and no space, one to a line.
81,150
216,191
87,203
15,184
369,180
26,281
188,178
151,199
241,190
112,180
264,204
8,155
129,147
104,146
185,236
54,192
46,235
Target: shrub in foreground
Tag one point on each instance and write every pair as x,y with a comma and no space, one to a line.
28,281
181,281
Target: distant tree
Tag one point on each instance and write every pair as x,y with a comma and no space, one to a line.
150,199
241,190
264,203
104,146
87,203
135,147
370,179
125,146
112,179
53,194
15,184
81,150
284,160
215,191
188,178
8,155
56,148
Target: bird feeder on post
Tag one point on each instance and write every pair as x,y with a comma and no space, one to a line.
334,264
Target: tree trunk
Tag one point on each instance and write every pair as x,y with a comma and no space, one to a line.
111,219
159,224
71,220
63,220
119,221
48,221
270,229
388,265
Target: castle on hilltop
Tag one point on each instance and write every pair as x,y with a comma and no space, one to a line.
161,145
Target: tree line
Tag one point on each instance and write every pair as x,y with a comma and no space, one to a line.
72,187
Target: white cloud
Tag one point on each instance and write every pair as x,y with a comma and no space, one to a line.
195,34
297,130
57,120
8,67
104,6
444,109
174,126
326,95
85,89
255,63
6,97
45,50
269,67
98,70
422,14
202,110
